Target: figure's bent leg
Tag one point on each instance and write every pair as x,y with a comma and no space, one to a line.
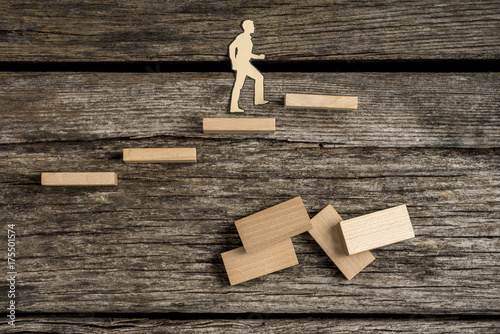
235,95
259,86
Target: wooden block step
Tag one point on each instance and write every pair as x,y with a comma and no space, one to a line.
159,155
308,101
270,226
326,231
242,266
239,125
377,229
80,179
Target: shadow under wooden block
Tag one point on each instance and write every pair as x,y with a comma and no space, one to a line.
242,266
239,125
159,155
308,101
80,179
326,231
272,225
377,229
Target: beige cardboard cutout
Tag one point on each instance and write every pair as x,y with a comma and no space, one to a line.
240,53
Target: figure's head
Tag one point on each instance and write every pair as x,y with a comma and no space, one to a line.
248,26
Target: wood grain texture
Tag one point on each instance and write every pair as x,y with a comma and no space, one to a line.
310,101
272,225
255,323
395,110
240,125
140,30
377,229
157,155
326,232
153,243
242,266
79,179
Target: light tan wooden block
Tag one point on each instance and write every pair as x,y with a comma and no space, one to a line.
239,125
270,226
157,155
242,266
308,101
80,179
377,229
326,232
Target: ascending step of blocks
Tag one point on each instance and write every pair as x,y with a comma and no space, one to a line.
239,125
80,179
268,125
267,245
159,155
309,101
130,155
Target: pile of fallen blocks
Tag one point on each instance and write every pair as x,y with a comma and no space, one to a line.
267,244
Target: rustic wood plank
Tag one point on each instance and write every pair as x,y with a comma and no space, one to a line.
395,109
253,323
153,243
285,31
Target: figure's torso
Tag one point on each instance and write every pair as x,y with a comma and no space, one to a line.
244,45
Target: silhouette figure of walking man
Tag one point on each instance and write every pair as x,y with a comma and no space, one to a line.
240,53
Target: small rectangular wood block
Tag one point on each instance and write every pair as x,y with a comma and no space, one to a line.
80,179
157,155
308,101
377,229
242,266
239,125
267,227
326,232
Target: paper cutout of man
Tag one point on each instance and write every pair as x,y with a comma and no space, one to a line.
240,53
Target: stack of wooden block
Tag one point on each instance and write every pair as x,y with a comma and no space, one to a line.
267,245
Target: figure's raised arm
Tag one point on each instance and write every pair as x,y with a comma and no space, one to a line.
261,56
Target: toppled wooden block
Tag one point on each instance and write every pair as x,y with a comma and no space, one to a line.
242,266
80,179
326,232
270,226
239,125
308,101
157,155
377,229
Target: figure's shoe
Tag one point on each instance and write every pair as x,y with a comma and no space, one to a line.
261,103
237,110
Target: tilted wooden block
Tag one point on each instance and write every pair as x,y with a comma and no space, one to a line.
308,101
267,227
156,155
242,266
80,179
377,229
239,125
326,232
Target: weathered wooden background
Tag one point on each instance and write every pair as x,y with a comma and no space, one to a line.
145,256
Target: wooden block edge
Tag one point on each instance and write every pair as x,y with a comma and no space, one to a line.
126,158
